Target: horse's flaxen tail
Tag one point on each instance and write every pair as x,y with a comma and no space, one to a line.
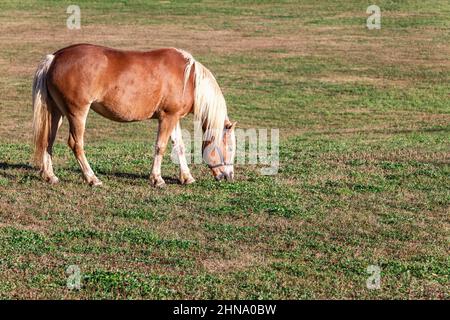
210,109
41,110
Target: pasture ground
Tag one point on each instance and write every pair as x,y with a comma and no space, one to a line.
364,177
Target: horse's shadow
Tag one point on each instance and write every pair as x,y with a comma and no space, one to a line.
13,166
120,175
131,176
6,166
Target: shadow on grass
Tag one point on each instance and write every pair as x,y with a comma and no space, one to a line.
14,166
133,176
6,166
120,175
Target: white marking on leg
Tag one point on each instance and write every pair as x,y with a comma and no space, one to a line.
156,170
180,151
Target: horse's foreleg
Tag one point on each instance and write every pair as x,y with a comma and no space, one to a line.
180,151
165,128
76,143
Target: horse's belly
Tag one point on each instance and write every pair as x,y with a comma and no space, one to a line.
128,100
122,113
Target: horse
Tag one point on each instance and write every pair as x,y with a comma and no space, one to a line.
124,86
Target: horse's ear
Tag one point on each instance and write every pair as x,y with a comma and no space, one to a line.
230,125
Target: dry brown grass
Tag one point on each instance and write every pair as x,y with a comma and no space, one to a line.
308,232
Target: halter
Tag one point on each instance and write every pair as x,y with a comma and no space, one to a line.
220,165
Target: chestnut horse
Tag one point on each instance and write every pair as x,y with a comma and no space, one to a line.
125,86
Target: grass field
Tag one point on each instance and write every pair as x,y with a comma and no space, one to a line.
364,119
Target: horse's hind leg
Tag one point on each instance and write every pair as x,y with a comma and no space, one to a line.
77,123
47,166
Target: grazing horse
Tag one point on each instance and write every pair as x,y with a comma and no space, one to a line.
126,86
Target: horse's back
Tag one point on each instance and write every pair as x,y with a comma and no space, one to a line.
121,85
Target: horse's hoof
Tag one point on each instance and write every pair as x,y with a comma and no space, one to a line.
94,182
160,185
186,178
49,178
157,182
189,181
52,179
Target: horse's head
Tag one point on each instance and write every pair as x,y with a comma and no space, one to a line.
220,156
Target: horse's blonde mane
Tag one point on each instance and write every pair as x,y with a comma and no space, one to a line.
210,109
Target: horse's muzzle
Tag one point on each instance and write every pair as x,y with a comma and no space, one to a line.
226,176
